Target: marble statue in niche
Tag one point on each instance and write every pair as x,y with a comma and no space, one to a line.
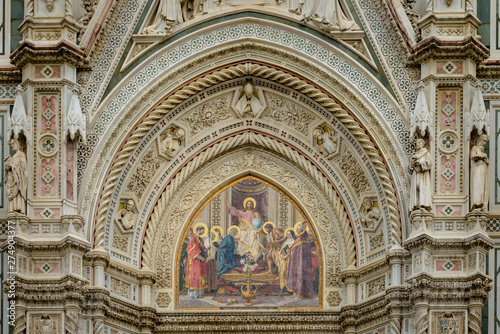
126,216
171,141
16,178
326,141
420,170
479,187
248,103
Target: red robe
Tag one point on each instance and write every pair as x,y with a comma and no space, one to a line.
196,270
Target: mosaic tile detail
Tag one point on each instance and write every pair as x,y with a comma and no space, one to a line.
7,91
236,32
387,43
493,225
490,86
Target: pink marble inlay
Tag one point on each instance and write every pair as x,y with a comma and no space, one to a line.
448,108
48,119
46,268
39,215
48,177
69,172
448,177
47,72
447,265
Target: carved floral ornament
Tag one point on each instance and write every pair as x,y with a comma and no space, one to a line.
227,74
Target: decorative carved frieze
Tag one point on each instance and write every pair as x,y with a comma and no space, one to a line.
141,178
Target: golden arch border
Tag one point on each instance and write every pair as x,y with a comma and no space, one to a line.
228,73
202,206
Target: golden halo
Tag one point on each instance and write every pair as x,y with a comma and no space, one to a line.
290,229
297,226
267,223
201,224
217,230
237,229
251,200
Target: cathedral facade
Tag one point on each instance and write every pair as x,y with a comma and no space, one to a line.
275,166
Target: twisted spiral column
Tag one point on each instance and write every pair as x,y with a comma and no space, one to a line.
71,323
422,320
98,326
20,323
475,319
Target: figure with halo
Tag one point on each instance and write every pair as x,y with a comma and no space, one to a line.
252,233
227,248
196,269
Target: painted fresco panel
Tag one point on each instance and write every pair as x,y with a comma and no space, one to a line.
249,237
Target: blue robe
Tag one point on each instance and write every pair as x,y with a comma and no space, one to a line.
225,256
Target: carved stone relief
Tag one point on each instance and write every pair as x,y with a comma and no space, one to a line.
170,141
125,218
282,110
326,141
208,114
46,323
354,172
375,286
163,299
142,176
120,242
333,299
120,287
376,241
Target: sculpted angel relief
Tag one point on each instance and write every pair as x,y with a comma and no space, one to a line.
250,246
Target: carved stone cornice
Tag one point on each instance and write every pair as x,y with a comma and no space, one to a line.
37,292
397,299
10,74
432,47
63,51
372,268
97,300
462,244
137,275
44,246
364,314
245,322
426,288
124,313
488,69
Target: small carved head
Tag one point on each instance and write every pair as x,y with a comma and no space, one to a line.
482,140
420,143
129,204
248,89
318,133
179,134
367,203
15,144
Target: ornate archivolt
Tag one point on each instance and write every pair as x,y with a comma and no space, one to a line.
180,201
217,77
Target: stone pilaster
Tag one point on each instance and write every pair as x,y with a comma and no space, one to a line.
51,242
447,241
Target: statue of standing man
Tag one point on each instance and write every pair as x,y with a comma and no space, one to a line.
16,178
420,169
479,187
